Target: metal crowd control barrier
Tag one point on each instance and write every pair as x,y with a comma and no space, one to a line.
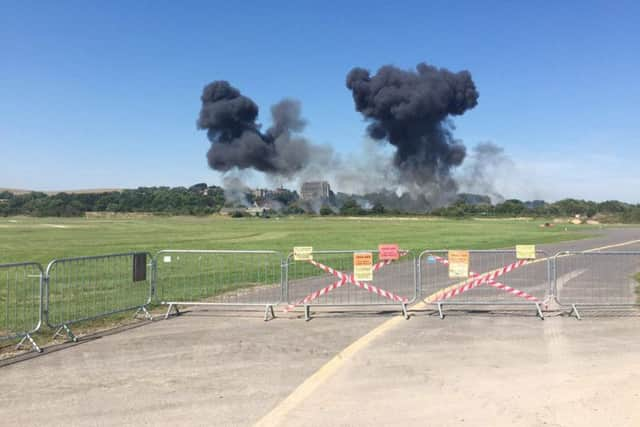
328,281
21,291
220,278
496,278
87,288
597,279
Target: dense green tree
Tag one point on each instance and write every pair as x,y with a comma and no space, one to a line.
326,210
178,200
350,207
511,207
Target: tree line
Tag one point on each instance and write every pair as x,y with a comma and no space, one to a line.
610,210
201,199
195,200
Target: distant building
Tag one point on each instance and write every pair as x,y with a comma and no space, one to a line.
200,188
256,210
261,193
315,190
231,211
251,211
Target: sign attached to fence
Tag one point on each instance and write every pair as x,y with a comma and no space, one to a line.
387,252
139,267
363,266
526,251
303,253
458,264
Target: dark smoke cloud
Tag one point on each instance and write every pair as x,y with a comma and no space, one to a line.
412,110
236,141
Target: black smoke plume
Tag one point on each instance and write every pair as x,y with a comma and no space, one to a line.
236,141
412,110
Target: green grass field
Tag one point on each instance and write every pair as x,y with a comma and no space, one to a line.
42,239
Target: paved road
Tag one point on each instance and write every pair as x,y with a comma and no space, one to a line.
202,368
478,370
210,368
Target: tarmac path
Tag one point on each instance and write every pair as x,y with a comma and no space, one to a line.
215,368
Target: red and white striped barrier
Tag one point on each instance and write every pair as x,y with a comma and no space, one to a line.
489,279
348,278
318,293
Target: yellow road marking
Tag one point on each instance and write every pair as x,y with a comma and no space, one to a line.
278,415
630,242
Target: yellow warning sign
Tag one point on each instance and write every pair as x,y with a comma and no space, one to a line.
526,251
303,253
363,266
458,264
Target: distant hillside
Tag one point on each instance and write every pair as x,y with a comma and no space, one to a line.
14,191
51,193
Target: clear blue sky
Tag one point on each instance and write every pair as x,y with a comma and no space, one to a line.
106,94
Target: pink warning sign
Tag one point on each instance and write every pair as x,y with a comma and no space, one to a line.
388,252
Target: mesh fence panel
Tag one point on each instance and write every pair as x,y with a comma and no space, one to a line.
20,299
533,278
397,278
220,277
91,287
597,278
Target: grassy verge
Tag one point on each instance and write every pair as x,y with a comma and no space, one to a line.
42,239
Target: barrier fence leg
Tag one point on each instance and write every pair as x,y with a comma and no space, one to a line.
269,310
67,332
144,311
34,346
574,309
172,306
404,311
307,312
440,310
539,309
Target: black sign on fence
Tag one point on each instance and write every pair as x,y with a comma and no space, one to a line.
139,267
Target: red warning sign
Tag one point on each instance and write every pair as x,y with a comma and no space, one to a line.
388,252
